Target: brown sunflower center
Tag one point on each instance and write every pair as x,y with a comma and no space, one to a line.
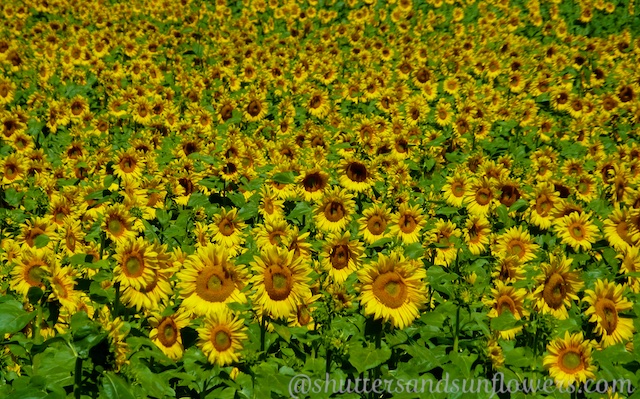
168,332
214,284
606,309
407,223
376,225
516,247
334,211
127,164
226,112
221,338
10,171
510,194
4,90
543,205
226,227
483,196
34,275
254,108
356,172
571,361
457,189
276,236
313,182
390,289
133,265
340,255
278,282
554,291
71,241
115,226
32,235
315,101
506,303
61,290
577,231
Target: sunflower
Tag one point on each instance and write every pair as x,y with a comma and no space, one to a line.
221,337
577,230
407,223
455,188
557,287
542,204
516,241
13,167
630,264
227,229
373,223
569,359
341,256
318,104
508,270
392,289
256,107
270,206
136,263
476,234
209,280
166,332
355,175
62,285
298,244
443,235
118,224
606,302
312,184
333,212
32,267
303,316
37,227
480,197
506,297
272,233
616,229
280,282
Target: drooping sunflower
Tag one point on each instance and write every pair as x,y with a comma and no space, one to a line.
227,229
392,289
303,316
166,332
630,264
606,302
374,221
569,359
221,338
341,256
333,212
280,282
209,280
516,241
577,230
407,223
136,263
476,234
507,297
557,287
508,269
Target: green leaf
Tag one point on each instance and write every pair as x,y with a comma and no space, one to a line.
198,200
114,387
414,251
13,317
519,205
57,364
41,240
364,359
505,321
284,178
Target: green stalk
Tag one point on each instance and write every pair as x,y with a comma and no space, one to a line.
77,375
456,337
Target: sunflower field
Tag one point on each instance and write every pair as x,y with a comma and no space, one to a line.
206,199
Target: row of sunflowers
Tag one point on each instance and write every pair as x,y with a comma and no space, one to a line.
206,199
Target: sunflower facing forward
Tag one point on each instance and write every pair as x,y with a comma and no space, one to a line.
569,359
221,338
577,231
333,213
281,282
607,301
392,289
210,280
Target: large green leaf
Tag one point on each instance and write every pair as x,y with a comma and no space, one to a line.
13,317
114,387
364,359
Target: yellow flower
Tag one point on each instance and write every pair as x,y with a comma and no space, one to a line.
221,338
166,333
569,360
392,289
341,256
506,297
557,287
577,230
333,212
607,301
516,241
374,221
407,223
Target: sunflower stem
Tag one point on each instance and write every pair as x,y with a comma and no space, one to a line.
456,337
77,376
36,324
